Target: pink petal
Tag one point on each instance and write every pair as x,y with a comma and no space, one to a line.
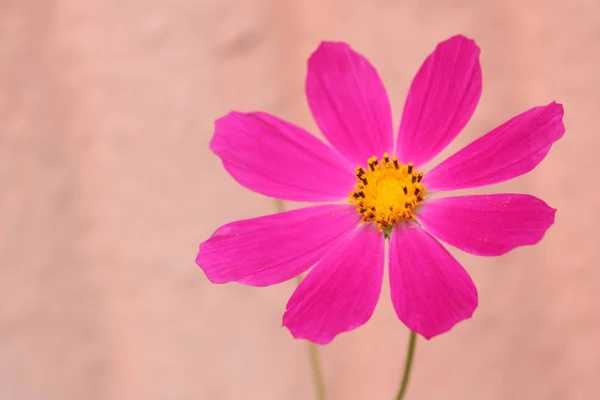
279,159
441,100
430,290
349,102
274,248
487,225
514,148
341,292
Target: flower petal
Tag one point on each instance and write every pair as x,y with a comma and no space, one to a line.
487,225
514,148
441,100
279,159
349,102
341,292
274,248
430,290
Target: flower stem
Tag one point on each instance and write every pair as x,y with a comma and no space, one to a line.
313,353
279,206
412,341
313,349
315,365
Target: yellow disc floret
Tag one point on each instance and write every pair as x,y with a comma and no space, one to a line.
387,191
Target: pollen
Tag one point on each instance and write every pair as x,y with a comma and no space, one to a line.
387,192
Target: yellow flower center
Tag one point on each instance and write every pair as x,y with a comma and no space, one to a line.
387,192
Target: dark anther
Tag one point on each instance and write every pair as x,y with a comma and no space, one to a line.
410,168
371,215
363,210
363,180
372,166
355,195
417,190
360,172
405,189
414,178
373,208
361,194
375,162
406,205
419,177
387,159
396,164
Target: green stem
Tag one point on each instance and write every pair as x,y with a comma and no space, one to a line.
313,349
410,354
315,365
313,354
279,206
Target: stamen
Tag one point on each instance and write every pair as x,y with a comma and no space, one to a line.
387,191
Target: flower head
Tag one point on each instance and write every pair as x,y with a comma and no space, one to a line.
378,191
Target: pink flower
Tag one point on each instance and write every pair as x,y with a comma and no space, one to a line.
377,195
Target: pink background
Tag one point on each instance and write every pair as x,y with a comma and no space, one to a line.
107,186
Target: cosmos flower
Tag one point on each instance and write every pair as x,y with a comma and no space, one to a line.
378,192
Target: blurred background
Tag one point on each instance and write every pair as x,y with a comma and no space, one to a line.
107,186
